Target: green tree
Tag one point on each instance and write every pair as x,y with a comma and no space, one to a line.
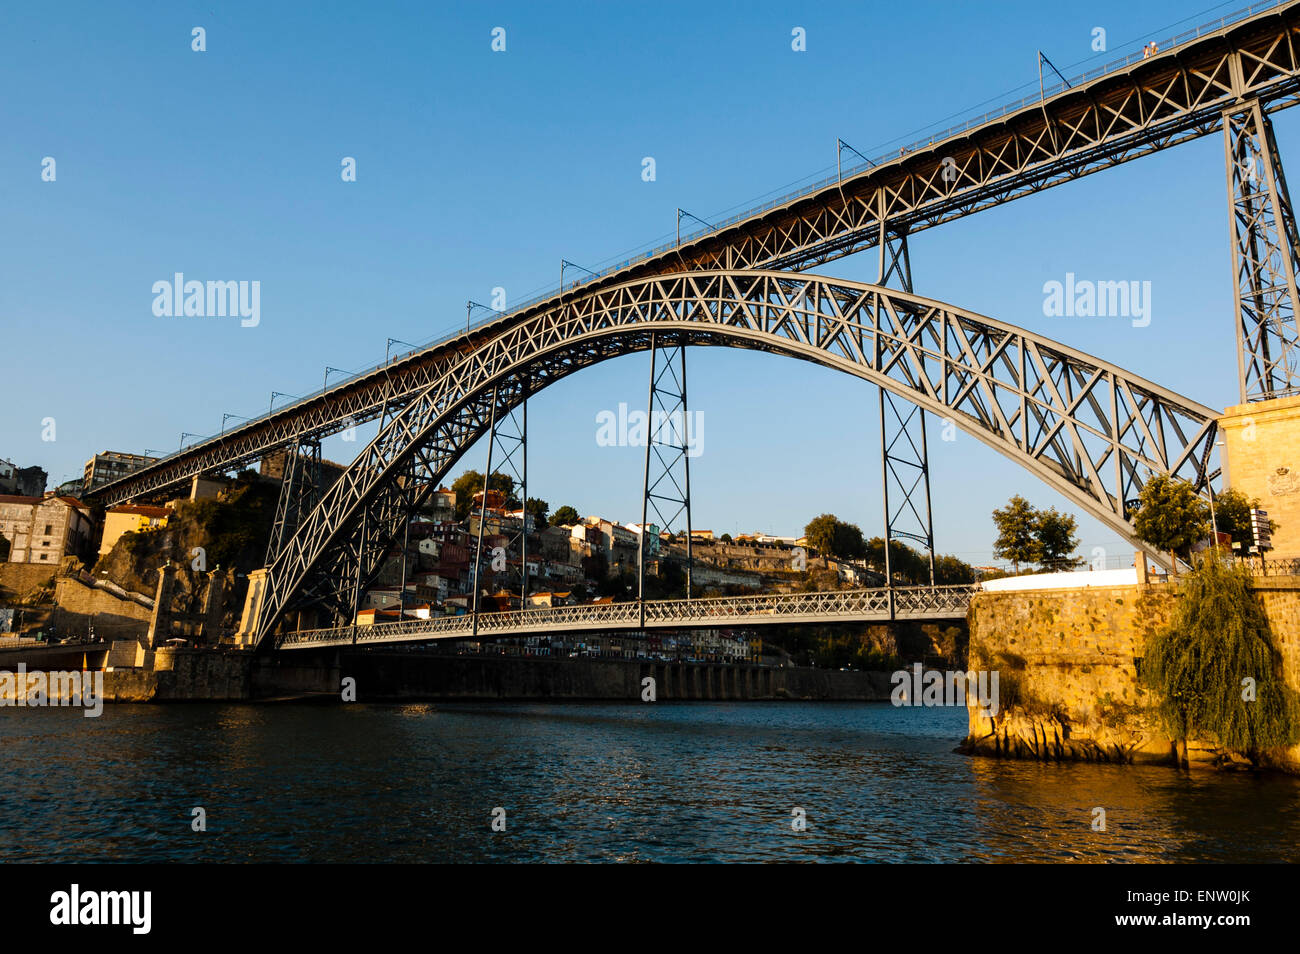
1054,533
1232,516
538,508
1017,526
471,482
725,538
566,516
820,532
949,570
833,537
1198,665
905,563
1170,516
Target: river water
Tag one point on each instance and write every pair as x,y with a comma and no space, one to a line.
594,782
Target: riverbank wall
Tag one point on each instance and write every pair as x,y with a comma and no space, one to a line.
1069,662
237,675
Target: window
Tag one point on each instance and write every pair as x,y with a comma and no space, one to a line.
45,556
48,529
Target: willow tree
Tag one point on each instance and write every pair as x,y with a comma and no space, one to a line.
1215,668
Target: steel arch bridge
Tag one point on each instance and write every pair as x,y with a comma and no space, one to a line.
1089,429
1231,76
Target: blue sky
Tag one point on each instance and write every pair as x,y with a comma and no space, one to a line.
478,169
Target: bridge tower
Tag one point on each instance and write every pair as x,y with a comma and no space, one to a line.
666,490
510,431
1264,257
904,455
300,487
1261,435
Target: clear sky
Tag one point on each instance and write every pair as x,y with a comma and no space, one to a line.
478,169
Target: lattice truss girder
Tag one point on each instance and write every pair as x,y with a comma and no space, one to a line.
1264,257
1090,429
1149,106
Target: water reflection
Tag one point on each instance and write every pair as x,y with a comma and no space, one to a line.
673,781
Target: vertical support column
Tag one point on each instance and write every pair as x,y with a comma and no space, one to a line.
1262,230
406,550
686,465
904,453
509,437
666,491
482,515
300,487
644,544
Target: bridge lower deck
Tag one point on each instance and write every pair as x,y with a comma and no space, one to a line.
846,606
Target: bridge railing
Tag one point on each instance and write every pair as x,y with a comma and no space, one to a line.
645,254
721,610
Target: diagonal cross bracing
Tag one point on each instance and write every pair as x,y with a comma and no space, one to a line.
1089,429
1141,108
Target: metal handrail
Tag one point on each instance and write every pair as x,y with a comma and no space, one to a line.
720,609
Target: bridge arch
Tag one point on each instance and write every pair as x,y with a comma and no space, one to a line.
1087,428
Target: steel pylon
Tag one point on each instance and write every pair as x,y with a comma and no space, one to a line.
904,455
1264,257
666,491
508,433
300,489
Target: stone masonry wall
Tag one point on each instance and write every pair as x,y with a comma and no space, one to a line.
1068,672
79,606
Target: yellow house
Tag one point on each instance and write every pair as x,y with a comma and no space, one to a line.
130,518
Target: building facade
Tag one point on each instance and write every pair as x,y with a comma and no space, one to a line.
111,465
46,529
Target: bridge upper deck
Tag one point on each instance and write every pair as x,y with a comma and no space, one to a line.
1128,109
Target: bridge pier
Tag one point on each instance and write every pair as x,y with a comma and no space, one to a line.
1264,256
1262,459
250,621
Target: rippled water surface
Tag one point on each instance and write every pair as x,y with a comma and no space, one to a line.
666,782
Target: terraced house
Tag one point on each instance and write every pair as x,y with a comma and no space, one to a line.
46,529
